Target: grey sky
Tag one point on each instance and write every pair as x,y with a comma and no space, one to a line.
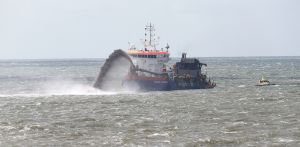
94,28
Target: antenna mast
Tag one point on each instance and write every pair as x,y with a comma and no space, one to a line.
150,28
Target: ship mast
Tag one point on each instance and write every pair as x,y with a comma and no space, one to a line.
149,28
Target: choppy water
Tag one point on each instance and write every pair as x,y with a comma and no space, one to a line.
52,103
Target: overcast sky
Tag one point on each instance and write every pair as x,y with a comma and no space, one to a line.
36,29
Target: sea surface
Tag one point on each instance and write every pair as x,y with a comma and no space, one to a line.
53,103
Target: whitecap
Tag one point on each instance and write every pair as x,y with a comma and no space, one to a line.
239,123
7,127
284,140
242,112
159,134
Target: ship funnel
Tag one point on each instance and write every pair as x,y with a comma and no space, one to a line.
183,55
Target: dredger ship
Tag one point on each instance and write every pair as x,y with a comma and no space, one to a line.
150,70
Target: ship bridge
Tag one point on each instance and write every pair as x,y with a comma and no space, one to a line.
150,58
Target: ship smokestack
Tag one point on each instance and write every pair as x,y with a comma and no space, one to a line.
183,55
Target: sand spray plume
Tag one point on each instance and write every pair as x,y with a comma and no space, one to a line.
114,71
69,87
55,87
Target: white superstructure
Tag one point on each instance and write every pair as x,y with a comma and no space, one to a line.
150,58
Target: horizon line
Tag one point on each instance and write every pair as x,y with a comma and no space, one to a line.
91,58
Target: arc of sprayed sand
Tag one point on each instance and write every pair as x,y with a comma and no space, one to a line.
108,64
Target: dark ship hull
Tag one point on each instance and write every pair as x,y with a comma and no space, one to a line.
158,85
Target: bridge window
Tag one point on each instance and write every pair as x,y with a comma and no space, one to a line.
151,56
144,56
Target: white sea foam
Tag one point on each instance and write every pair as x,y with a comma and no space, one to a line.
158,134
70,88
73,91
60,87
284,140
7,128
